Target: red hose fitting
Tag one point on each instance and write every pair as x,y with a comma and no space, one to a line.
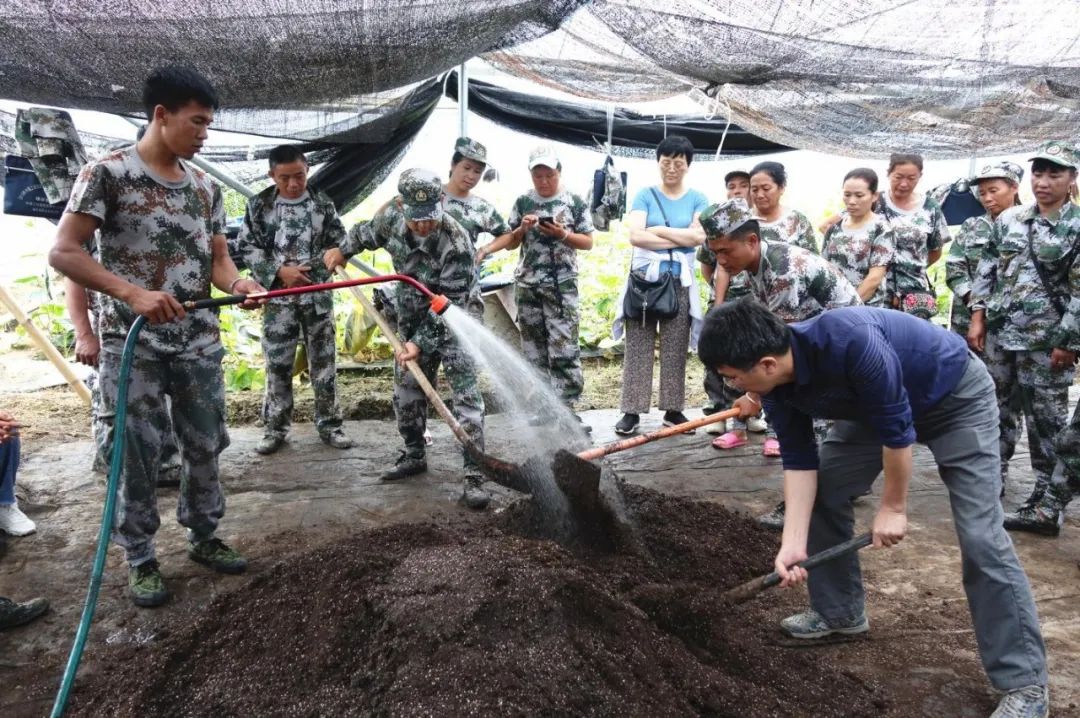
439,304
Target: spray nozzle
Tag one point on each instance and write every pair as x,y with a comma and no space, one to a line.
439,304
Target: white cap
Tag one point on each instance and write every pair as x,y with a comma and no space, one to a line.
543,155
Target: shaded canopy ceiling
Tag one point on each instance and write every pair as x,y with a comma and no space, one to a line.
855,77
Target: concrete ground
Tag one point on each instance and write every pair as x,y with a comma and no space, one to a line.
920,647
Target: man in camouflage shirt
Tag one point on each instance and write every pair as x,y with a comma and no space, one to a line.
550,224
999,183
793,283
287,229
429,245
162,243
1027,294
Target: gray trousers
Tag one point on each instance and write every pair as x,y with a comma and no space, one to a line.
638,361
962,433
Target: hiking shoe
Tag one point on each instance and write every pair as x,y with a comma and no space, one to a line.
1029,702
404,467
628,424
1043,518
473,495
16,614
674,418
14,522
216,554
146,586
811,624
774,519
337,439
757,425
269,444
717,427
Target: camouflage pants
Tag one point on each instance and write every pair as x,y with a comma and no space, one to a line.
284,325
1065,483
198,417
170,451
548,318
999,364
1044,400
467,405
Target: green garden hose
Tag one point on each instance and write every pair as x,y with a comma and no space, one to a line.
115,465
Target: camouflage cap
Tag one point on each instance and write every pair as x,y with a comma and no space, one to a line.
720,219
471,149
999,170
1059,152
544,155
421,193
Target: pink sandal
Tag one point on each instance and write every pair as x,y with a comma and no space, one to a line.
730,440
771,447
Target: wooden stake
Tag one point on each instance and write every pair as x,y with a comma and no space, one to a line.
45,345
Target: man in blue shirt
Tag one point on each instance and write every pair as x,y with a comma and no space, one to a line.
888,380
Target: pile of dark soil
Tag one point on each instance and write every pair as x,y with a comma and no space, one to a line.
477,620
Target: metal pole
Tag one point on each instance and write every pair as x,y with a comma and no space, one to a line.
971,166
463,101
213,170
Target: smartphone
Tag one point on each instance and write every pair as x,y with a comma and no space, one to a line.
547,219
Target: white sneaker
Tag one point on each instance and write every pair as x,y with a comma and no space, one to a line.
1029,702
717,427
14,522
757,425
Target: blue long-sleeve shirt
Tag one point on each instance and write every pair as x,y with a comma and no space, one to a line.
879,366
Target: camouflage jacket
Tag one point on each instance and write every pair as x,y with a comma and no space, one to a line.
854,252
276,233
792,228
544,259
476,215
795,284
47,138
1007,283
961,265
916,233
442,262
156,234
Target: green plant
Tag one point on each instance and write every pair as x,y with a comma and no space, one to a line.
49,315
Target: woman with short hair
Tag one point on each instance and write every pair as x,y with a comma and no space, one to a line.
665,233
778,223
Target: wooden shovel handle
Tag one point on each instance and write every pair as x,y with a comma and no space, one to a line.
601,451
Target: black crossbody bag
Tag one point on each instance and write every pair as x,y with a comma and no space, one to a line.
652,301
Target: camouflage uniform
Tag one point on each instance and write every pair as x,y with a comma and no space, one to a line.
100,423
157,234
1022,321
854,252
916,233
443,262
791,228
278,232
793,283
547,290
47,138
961,265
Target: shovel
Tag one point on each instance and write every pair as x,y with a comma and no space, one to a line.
499,471
577,476
744,592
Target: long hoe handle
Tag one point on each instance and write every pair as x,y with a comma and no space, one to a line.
601,451
753,587
412,366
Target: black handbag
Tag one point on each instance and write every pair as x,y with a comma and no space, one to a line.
23,193
652,300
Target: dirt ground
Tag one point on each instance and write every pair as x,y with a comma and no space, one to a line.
920,653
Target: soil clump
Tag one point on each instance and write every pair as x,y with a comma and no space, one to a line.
424,619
